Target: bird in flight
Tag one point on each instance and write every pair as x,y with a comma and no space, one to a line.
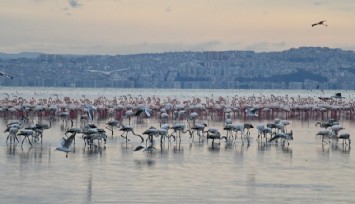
108,73
320,23
65,144
6,75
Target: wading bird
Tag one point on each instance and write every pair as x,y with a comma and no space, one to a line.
126,129
26,133
285,137
344,137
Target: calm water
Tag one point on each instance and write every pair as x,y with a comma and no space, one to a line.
186,172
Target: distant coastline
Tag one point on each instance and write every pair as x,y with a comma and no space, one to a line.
297,68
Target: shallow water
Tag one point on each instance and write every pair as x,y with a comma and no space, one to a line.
186,172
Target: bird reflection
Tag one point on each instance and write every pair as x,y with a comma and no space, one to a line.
11,149
126,148
26,154
149,149
340,148
89,190
97,151
251,185
230,145
32,153
287,150
177,148
334,146
263,146
345,150
324,150
214,148
145,162
247,145
164,150
199,143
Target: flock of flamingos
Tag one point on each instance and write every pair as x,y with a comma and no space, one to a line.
26,119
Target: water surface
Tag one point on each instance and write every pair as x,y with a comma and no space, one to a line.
186,172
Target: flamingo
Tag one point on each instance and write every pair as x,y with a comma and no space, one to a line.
214,134
26,133
129,113
179,128
164,117
262,131
111,124
91,132
228,120
12,129
17,123
325,124
39,128
150,132
344,137
199,127
89,109
163,132
239,128
193,116
325,133
284,136
336,128
95,134
126,129
248,126
64,115
73,131
229,128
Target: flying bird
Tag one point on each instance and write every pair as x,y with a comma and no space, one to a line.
107,73
65,144
6,75
251,112
320,23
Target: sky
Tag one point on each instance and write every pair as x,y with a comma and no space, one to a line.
112,27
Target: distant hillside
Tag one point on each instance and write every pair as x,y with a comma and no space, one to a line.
301,68
29,55
299,76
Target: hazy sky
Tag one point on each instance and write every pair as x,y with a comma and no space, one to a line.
140,26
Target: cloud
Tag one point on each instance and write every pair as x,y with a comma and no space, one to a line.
74,3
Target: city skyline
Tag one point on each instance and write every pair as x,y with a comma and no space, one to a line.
302,68
142,26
